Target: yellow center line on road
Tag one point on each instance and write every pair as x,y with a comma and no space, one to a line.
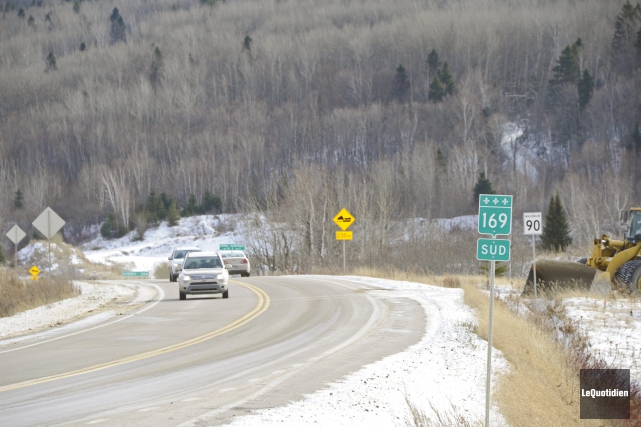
261,307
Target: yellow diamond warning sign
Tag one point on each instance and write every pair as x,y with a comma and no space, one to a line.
344,219
34,272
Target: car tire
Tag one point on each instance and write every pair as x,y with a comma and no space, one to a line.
183,296
226,294
171,277
248,274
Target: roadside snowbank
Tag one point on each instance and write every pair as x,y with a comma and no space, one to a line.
445,370
40,321
612,327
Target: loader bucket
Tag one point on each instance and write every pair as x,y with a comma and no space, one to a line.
552,276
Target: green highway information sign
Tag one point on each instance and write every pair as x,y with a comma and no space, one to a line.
492,250
135,274
495,214
232,247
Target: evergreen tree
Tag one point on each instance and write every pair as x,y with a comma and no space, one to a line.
636,137
483,186
401,85
83,47
624,41
18,201
76,6
624,26
567,69
166,201
247,43
21,13
211,203
3,258
118,33
161,206
31,21
437,90
173,214
586,88
433,63
51,62
106,230
449,87
151,207
191,208
556,231
440,160
156,68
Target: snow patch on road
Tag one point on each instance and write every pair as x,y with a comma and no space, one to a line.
445,371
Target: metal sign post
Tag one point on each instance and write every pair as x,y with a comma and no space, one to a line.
488,377
532,227
344,219
495,218
15,235
48,223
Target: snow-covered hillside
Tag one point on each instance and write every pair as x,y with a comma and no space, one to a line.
205,231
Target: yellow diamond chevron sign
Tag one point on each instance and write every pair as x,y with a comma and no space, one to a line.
344,219
34,272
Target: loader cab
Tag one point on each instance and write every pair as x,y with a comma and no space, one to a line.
634,231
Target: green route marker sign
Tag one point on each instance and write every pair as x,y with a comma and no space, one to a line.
232,247
492,250
495,215
135,274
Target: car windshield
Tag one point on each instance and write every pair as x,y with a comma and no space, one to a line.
181,254
233,255
202,262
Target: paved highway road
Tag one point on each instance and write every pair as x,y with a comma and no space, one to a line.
206,360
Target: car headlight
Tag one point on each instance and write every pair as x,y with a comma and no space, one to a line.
220,277
185,277
176,264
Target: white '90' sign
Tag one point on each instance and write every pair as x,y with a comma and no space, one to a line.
532,224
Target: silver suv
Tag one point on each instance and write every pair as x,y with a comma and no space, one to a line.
176,260
203,273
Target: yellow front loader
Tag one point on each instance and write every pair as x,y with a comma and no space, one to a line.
614,263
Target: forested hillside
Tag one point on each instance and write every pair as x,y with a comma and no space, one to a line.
391,108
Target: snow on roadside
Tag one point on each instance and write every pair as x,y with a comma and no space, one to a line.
92,297
613,329
445,370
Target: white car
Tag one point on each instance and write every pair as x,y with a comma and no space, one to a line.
176,260
236,262
203,273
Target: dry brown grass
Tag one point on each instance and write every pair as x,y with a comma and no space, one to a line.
161,270
18,294
541,387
